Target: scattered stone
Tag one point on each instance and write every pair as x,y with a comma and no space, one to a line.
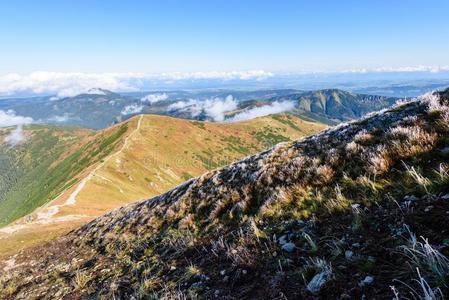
319,280
172,268
289,247
244,272
356,245
445,197
216,293
345,297
197,285
355,206
428,208
283,240
226,278
349,254
367,281
411,198
223,272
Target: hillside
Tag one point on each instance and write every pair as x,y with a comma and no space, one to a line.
357,211
140,158
336,105
48,163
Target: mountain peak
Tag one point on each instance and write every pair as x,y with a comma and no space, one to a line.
98,91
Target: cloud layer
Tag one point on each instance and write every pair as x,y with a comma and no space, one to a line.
132,109
9,118
274,108
71,84
153,98
214,108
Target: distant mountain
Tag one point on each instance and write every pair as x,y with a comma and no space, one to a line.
98,108
357,211
337,105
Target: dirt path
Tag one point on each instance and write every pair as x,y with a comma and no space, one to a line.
72,198
47,213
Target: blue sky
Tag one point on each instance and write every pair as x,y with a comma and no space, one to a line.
186,36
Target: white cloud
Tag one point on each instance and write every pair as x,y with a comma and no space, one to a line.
273,108
16,136
153,98
71,84
214,108
407,69
65,84
59,118
132,109
9,118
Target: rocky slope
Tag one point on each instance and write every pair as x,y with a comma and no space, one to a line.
359,210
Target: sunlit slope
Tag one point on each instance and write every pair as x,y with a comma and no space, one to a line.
30,174
49,162
165,152
148,155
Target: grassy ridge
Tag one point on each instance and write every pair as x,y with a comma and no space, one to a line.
357,211
45,166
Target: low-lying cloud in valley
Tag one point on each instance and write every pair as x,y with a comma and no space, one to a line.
59,118
9,118
214,108
132,109
154,98
273,108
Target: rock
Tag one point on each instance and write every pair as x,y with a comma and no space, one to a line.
282,240
289,247
172,268
216,293
444,151
319,280
445,197
356,245
355,206
244,272
226,278
349,254
411,198
367,281
197,285
345,297
223,272
428,208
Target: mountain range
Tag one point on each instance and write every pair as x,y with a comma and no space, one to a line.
359,210
98,108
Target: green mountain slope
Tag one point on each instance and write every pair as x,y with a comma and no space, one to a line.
337,105
332,216
49,162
